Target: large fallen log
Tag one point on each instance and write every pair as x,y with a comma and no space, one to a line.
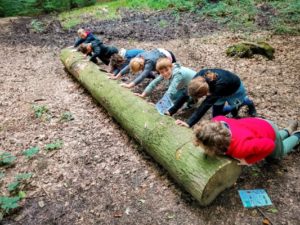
169,144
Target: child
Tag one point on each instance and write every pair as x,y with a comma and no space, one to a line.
122,59
146,63
98,50
84,37
178,77
248,140
219,86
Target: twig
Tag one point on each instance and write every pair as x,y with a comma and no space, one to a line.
264,215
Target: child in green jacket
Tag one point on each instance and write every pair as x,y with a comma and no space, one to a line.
178,76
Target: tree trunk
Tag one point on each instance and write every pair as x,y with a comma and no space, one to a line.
169,144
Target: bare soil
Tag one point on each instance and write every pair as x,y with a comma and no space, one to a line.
101,176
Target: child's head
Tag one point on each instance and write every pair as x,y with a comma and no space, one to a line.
213,137
198,88
116,60
164,67
85,48
137,64
82,33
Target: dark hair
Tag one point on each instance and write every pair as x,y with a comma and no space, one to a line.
214,137
83,48
116,60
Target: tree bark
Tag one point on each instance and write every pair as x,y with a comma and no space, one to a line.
169,144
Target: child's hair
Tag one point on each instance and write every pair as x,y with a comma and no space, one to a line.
116,60
163,63
198,88
135,65
214,137
80,31
83,48
210,75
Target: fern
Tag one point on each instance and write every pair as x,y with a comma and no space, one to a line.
29,153
6,158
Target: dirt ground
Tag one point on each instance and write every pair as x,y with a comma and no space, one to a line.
101,175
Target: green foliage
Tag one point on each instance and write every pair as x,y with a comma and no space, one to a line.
6,158
54,145
23,176
34,7
13,186
37,26
9,203
29,153
67,116
40,110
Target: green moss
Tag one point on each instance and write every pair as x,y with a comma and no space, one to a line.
247,49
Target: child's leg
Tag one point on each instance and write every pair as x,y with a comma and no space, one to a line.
290,143
283,134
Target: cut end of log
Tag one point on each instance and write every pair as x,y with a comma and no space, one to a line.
223,178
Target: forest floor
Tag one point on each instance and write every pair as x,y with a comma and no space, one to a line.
101,175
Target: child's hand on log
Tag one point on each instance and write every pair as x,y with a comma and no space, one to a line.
167,113
113,77
130,85
243,162
143,95
181,123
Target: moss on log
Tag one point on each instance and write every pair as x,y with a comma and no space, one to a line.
247,49
170,145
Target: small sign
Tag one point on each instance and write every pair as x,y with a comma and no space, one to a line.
164,104
254,198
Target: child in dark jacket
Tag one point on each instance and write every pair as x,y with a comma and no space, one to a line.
122,59
145,62
84,37
248,140
220,87
98,50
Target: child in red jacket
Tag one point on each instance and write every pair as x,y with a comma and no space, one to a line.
248,140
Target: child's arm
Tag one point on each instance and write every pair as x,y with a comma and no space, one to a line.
147,70
148,90
78,42
96,52
202,109
173,87
178,103
124,71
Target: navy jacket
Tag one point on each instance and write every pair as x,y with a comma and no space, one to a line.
89,38
226,84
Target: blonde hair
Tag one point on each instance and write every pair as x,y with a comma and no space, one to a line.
214,137
80,31
136,65
198,88
163,63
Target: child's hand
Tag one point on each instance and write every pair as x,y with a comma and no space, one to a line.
130,85
243,162
167,113
143,95
182,123
71,46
